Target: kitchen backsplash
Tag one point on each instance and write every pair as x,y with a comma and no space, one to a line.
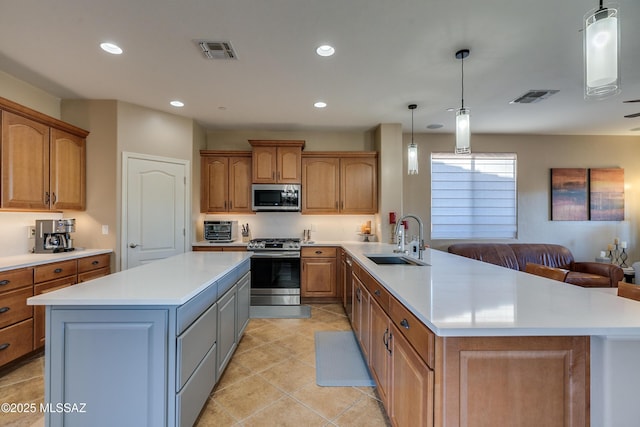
14,228
293,224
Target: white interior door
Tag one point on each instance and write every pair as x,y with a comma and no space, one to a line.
155,203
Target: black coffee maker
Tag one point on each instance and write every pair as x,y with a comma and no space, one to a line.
53,235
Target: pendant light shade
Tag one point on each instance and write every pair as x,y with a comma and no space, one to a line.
463,129
601,53
463,132
412,152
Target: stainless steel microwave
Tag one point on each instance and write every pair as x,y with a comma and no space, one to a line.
275,197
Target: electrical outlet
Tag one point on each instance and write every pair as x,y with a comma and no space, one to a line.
31,232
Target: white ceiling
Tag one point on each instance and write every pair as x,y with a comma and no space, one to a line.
389,53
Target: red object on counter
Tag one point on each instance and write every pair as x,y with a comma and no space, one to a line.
406,224
392,217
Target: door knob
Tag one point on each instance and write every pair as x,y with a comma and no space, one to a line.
133,245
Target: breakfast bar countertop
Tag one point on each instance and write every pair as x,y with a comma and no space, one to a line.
457,296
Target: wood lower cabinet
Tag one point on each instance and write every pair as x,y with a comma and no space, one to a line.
412,381
225,182
43,161
319,272
339,183
380,351
426,380
523,381
39,310
22,327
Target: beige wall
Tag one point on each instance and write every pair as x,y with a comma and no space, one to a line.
100,118
28,95
314,141
536,155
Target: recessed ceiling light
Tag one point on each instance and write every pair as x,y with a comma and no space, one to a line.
434,126
451,109
113,49
320,104
177,103
325,50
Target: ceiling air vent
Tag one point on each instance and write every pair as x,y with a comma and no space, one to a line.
217,50
533,96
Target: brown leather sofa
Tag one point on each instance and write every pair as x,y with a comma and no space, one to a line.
517,255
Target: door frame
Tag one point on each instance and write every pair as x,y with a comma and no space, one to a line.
126,156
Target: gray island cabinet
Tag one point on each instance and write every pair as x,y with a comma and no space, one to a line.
144,346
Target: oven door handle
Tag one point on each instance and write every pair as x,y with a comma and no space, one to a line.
276,255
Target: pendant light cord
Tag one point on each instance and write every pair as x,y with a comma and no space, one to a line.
412,125
462,84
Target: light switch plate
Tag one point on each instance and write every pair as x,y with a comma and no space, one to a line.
105,229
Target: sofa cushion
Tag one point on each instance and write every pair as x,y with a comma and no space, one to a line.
493,253
541,253
587,280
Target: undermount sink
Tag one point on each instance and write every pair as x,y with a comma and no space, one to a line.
386,259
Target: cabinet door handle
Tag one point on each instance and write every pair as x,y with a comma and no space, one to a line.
377,292
389,342
404,323
55,199
4,282
358,294
47,199
385,339
230,205
57,270
4,346
4,309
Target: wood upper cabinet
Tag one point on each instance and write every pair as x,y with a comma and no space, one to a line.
359,185
339,182
25,163
43,161
226,182
321,185
67,170
276,161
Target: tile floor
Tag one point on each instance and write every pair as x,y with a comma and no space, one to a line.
270,381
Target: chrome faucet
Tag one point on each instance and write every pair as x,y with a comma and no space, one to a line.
400,234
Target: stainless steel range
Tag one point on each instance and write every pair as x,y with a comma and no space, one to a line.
275,271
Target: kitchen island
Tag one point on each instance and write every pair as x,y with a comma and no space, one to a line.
144,346
496,344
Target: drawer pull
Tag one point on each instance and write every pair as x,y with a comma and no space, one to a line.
318,252
4,346
4,282
404,323
4,309
377,292
57,270
95,262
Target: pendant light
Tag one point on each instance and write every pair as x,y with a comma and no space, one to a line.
412,152
463,131
601,53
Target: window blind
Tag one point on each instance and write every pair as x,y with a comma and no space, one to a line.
473,196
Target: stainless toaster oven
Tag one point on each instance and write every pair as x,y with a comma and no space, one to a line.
220,231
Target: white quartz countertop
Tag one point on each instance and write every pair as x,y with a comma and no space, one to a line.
30,260
457,296
170,281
